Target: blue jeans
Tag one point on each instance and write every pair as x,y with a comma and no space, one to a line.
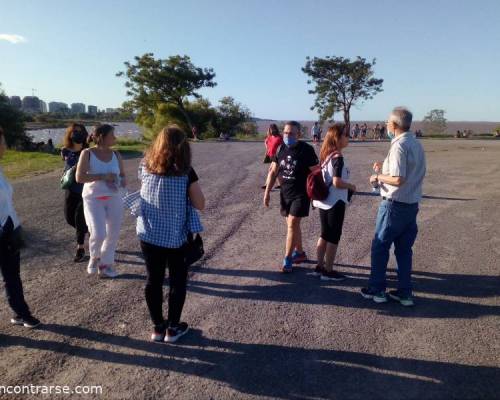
396,223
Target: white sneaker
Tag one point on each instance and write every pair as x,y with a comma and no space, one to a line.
92,266
107,271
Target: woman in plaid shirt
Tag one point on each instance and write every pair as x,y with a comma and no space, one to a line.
169,186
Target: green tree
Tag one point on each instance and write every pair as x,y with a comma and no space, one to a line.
152,82
340,83
231,115
434,122
12,122
200,112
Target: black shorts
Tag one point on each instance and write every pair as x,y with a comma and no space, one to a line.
297,207
332,221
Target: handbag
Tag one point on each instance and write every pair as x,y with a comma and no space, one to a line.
68,178
193,248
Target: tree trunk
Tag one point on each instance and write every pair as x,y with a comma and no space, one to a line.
186,116
347,120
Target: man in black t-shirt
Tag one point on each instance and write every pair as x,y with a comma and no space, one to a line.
292,164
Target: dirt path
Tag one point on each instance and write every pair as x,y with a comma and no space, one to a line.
258,333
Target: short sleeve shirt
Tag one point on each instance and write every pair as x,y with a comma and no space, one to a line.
293,168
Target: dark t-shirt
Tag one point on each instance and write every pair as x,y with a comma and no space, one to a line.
337,166
293,168
192,177
70,160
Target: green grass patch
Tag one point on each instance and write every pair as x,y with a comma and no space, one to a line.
18,164
131,148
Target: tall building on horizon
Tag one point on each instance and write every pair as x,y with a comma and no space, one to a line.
92,110
58,106
43,106
77,108
16,102
31,104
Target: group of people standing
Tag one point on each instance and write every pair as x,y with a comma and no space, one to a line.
170,193
94,204
399,179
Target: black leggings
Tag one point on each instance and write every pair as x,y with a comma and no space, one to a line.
157,259
73,211
10,267
331,222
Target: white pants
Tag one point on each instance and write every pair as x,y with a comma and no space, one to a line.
104,220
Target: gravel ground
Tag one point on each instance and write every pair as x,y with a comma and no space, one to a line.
255,332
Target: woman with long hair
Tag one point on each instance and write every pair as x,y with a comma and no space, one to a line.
272,142
74,141
169,185
101,170
10,255
332,209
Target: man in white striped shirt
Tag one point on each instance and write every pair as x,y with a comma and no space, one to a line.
400,179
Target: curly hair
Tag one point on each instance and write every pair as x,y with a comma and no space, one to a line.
169,154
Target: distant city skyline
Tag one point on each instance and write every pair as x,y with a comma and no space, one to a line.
33,104
430,54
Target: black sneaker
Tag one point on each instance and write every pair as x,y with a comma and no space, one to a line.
404,300
80,255
159,332
174,332
318,270
28,322
376,296
332,276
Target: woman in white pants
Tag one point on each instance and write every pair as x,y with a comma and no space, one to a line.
101,170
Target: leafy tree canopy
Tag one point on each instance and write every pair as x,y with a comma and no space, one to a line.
435,122
340,83
151,82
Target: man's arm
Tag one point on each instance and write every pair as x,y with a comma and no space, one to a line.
271,179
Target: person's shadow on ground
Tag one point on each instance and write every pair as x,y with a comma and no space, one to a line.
279,371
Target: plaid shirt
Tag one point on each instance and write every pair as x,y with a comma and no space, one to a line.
162,220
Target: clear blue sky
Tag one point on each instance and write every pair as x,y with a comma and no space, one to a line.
431,54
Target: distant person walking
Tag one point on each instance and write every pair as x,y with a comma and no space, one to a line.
382,132
356,132
364,131
10,254
291,165
169,187
400,178
316,133
74,141
102,172
272,142
332,210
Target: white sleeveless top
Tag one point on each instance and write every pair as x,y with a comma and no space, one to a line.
101,188
334,194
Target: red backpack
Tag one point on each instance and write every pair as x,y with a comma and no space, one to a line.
317,189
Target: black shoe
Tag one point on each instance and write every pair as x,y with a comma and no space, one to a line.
28,322
159,332
318,270
174,332
404,300
263,187
376,296
332,276
80,255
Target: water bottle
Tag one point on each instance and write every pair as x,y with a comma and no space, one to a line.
375,186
